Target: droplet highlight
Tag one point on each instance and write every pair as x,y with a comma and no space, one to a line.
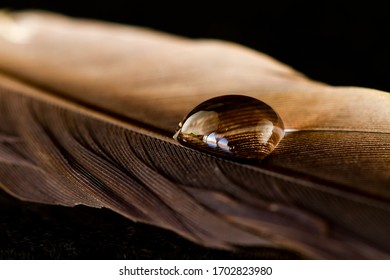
233,126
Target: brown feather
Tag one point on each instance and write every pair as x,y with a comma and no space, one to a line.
88,109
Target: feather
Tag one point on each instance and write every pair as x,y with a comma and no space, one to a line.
88,110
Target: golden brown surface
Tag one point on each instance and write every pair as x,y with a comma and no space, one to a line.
98,132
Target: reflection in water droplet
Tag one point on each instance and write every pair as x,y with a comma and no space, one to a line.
233,126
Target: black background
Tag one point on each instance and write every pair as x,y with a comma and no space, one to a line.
341,44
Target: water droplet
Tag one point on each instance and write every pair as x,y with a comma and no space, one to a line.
233,126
